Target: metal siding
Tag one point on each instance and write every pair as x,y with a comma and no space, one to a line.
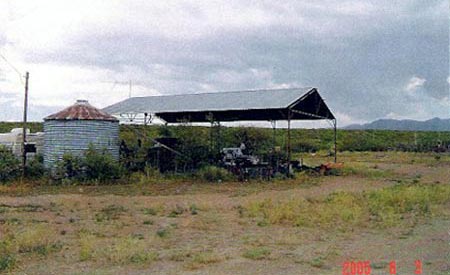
238,100
74,137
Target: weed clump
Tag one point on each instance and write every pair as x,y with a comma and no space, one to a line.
36,240
162,232
317,262
125,250
87,246
364,171
129,250
258,253
111,212
343,210
149,175
7,262
203,258
150,211
194,209
178,210
147,222
389,205
214,174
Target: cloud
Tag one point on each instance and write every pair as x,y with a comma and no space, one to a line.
414,83
362,55
345,119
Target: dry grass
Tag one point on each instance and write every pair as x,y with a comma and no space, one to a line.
258,253
32,241
177,227
129,250
201,259
87,245
122,251
111,212
386,207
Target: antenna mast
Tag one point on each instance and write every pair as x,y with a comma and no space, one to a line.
129,94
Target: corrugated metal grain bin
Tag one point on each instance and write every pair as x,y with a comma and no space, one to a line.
73,129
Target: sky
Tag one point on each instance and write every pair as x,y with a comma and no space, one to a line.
370,59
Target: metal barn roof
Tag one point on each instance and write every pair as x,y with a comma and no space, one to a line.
274,104
81,110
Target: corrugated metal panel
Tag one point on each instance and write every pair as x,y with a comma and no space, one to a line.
81,110
75,136
238,100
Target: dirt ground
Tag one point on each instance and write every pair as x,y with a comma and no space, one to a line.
199,228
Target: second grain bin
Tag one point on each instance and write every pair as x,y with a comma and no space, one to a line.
74,129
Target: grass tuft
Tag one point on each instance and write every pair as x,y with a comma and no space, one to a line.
129,250
258,253
317,262
150,211
162,232
7,262
87,246
147,222
111,212
202,259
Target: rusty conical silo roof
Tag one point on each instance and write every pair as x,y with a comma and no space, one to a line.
81,110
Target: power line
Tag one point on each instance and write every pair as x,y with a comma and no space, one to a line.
12,66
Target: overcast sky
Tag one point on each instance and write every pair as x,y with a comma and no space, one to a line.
370,59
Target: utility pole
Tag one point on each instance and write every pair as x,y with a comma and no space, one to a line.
24,126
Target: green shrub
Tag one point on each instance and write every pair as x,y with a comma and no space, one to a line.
193,144
256,140
10,166
305,146
7,262
35,167
69,167
94,165
214,174
100,166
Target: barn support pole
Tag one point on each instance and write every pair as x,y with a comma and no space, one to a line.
210,118
211,138
145,118
335,140
219,138
274,128
273,160
288,172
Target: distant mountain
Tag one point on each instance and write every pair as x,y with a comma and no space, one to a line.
435,124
